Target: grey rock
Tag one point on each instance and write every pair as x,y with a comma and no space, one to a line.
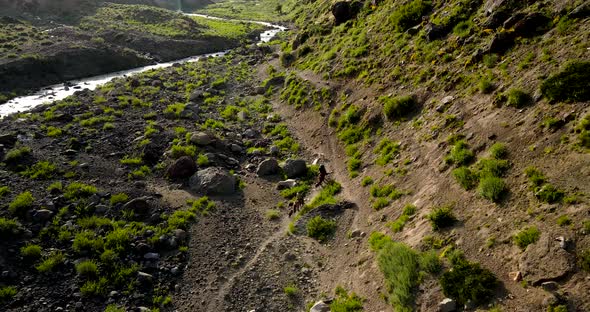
139,205
151,256
235,148
295,168
274,150
267,167
100,209
320,306
201,138
143,277
356,233
286,184
545,260
213,181
182,168
250,133
550,286
447,305
42,215
180,234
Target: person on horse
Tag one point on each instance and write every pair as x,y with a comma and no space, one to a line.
322,175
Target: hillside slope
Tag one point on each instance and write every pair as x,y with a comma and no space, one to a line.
473,116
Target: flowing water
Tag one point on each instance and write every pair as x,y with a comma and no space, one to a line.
60,91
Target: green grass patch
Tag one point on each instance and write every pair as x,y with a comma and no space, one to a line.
345,302
7,293
320,228
396,108
386,150
23,202
468,282
569,85
42,170
77,190
87,269
119,198
441,217
465,177
492,188
8,227
526,237
399,224
50,262
460,154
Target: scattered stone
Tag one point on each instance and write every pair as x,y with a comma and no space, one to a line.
320,306
267,167
545,261
8,140
180,234
250,133
201,138
562,242
355,233
344,11
235,148
152,256
143,277
295,168
286,184
213,181
515,276
550,286
182,168
42,215
274,150
447,305
289,256
139,205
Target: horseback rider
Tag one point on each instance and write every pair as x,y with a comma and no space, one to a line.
322,175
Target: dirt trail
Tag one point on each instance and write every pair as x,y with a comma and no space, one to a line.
226,286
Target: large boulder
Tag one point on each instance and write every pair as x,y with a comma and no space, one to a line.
138,205
533,24
545,260
447,305
344,11
267,167
320,306
8,139
213,181
295,168
202,138
182,168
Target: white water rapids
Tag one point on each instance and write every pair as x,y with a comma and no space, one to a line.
60,91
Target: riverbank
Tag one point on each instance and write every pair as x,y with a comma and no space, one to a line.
104,43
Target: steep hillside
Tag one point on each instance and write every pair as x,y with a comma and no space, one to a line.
466,124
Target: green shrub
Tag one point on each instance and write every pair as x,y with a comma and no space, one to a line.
583,131
492,188
465,177
175,109
526,237
87,269
460,154
366,181
50,262
468,281
113,308
291,290
42,170
535,176
410,14
395,108
7,293
585,260
564,220
499,151
441,217
463,29
398,225
17,155
492,167
87,241
119,198
131,161
77,190
401,267
94,288
485,86
549,194
180,219
517,98
22,203
380,203
55,186
202,160
569,85
326,195
320,228
180,150
387,150
345,302
273,214
351,135
8,227
31,251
